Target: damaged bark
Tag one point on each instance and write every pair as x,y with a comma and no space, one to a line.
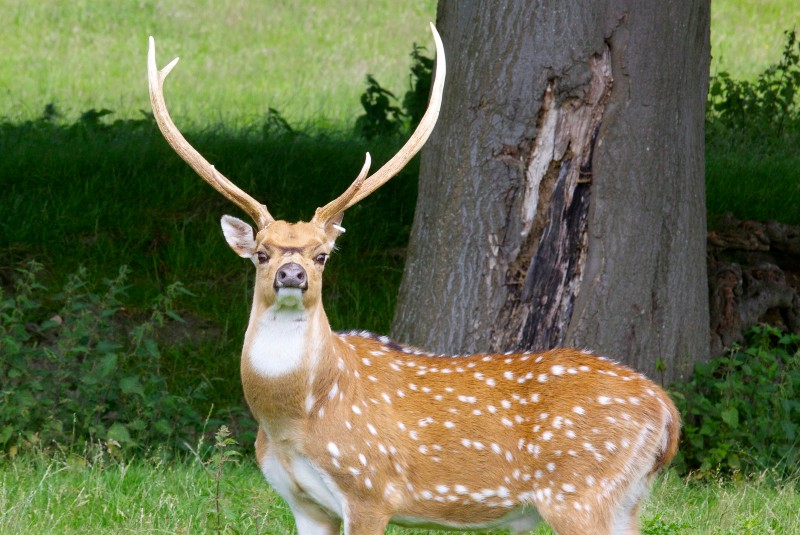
553,212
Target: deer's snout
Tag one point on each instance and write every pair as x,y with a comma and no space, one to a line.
291,275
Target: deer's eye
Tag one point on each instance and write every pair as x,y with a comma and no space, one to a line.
320,259
263,257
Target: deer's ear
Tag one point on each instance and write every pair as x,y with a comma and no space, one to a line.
333,227
239,235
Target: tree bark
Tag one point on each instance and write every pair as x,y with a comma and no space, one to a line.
562,198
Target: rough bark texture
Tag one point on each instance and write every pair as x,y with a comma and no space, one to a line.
561,196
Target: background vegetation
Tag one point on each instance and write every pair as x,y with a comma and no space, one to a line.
122,310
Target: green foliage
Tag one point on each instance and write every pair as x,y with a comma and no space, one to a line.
76,367
742,411
382,115
764,106
752,135
224,452
657,525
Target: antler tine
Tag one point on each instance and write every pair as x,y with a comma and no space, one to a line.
338,205
257,211
418,138
362,187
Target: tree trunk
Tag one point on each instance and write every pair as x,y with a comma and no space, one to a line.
562,198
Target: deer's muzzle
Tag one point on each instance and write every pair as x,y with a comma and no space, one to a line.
291,275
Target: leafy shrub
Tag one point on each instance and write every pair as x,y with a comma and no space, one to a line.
764,106
383,116
72,371
742,411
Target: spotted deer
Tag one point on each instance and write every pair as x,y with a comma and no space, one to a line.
358,430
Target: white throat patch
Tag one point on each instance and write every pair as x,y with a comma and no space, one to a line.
279,338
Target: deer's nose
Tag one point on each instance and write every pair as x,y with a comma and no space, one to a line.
291,275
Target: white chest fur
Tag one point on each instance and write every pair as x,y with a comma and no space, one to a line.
278,342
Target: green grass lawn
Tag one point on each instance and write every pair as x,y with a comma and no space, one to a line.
747,35
75,495
307,59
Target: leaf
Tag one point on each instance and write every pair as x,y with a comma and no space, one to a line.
120,433
730,417
131,385
107,364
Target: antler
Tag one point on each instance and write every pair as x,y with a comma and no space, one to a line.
257,211
361,187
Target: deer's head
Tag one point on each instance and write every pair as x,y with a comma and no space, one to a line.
289,257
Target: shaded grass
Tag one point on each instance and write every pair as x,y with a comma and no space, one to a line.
69,494
754,177
103,196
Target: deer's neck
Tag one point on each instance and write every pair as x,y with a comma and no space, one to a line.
286,352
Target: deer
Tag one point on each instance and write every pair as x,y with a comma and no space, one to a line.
357,430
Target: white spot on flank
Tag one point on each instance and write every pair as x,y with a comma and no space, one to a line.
557,370
449,425
356,409
578,410
567,487
508,375
334,391
604,400
542,378
506,404
362,459
333,449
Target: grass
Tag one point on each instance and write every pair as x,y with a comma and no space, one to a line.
746,35
73,494
754,178
307,59
175,234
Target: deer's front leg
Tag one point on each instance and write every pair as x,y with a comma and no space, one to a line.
313,524
365,520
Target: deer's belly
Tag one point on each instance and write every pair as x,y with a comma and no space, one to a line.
522,518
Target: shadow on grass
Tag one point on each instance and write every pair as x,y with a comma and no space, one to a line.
105,195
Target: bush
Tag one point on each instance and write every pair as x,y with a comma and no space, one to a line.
383,117
766,106
73,370
742,411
